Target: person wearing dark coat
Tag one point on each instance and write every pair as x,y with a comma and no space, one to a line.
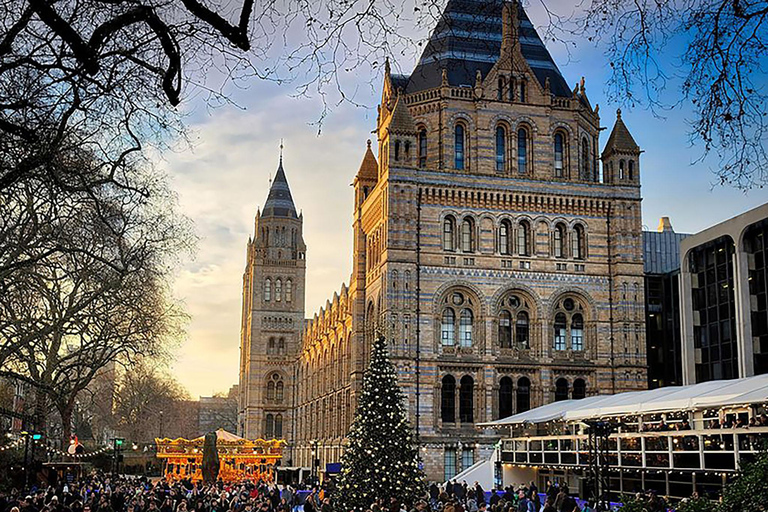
479,493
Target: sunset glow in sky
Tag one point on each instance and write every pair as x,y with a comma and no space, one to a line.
225,178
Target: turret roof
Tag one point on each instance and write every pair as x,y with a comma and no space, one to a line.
620,138
369,168
279,201
468,38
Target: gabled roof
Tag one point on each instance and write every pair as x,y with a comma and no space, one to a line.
620,138
468,38
279,201
401,120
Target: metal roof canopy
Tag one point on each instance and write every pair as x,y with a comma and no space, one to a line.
705,395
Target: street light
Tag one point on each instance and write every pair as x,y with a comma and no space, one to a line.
315,460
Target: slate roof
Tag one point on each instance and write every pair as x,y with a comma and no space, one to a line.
369,168
468,38
620,138
279,201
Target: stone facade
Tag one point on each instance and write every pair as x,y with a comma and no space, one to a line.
502,264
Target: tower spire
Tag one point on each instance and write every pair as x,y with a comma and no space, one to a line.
281,152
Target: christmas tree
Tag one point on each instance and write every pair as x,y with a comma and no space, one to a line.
381,460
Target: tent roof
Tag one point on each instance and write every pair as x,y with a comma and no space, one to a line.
223,435
705,395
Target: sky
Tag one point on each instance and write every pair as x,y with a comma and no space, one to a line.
223,178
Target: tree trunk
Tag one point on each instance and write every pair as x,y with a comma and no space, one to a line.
66,424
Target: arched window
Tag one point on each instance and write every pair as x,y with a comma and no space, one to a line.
447,327
585,163
466,399
500,89
278,290
271,346
449,228
269,427
467,235
501,149
288,290
579,389
522,91
561,390
559,328
522,150
397,150
577,242
465,328
458,148
524,239
448,399
559,241
281,346
523,394
423,148
267,290
505,397
559,155
521,330
505,229
505,329
577,332
621,169
631,170
275,388
278,426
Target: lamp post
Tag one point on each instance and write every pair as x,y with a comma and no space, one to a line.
315,460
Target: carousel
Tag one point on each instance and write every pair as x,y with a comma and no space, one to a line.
239,458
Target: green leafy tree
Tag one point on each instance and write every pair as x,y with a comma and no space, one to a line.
748,491
382,460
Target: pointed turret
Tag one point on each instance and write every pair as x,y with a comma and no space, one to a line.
620,139
369,168
279,201
621,156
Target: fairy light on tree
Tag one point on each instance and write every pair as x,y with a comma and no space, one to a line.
381,460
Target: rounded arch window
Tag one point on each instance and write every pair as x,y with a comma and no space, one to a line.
631,169
578,242
505,397
467,235
621,169
422,147
448,399
501,149
457,320
523,394
467,399
559,241
579,389
267,290
561,389
449,230
505,237
459,146
524,238
522,150
568,326
278,290
514,323
585,159
559,149
275,388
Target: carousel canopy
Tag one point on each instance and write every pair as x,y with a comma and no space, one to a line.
706,395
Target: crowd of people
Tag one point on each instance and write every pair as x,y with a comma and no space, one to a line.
455,497
102,493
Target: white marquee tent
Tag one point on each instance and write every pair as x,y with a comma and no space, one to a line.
706,395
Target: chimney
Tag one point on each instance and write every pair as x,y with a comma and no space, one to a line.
665,225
